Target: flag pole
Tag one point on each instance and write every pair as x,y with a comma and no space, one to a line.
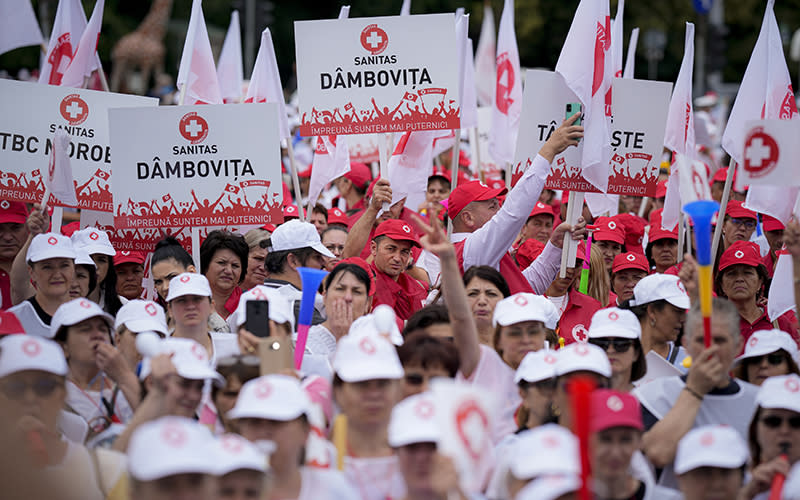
102,75
295,179
383,153
681,236
508,177
476,153
643,206
570,246
454,170
723,205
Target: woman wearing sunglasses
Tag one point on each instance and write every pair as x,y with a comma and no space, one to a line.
617,332
774,434
768,353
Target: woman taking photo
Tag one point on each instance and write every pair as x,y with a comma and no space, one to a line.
223,261
617,332
768,353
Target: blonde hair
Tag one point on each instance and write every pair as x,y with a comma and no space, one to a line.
599,281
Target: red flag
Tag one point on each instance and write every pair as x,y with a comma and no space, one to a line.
166,198
197,76
231,188
83,60
36,173
102,174
410,97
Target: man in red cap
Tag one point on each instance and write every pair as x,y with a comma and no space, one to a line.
352,187
13,234
539,225
130,271
391,253
738,225
773,231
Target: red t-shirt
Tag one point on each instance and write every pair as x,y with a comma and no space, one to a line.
405,295
786,322
577,317
517,282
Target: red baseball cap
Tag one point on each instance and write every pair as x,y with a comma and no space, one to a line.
287,195
634,231
69,229
542,209
655,217
305,174
366,267
291,212
771,223
269,227
336,216
741,252
124,257
495,183
10,325
528,251
397,230
468,192
608,229
13,211
630,260
463,158
614,409
658,233
736,210
359,174
661,189
721,175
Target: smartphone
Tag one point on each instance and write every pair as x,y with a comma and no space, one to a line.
276,355
256,319
572,109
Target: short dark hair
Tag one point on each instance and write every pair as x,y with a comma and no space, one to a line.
335,227
439,178
489,274
320,209
359,272
92,275
428,351
224,240
276,261
434,314
170,248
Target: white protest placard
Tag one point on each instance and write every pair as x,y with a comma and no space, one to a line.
488,165
693,179
364,148
195,166
30,114
639,119
770,154
380,74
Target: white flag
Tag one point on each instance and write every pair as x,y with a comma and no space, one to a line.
679,135
485,57
469,101
18,25
585,63
59,181
781,291
331,161
508,91
265,82
693,179
197,76
630,59
68,26
411,164
82,63
230,73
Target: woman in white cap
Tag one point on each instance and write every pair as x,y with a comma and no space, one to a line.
578,359
241,468
85,280
536,379
768,353
545,451
774,434
101,387
519,322
710,459
616,331
95,242
660,302
32,394
135,317
51,269
275,408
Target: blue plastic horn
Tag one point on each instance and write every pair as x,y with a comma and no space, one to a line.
311,279
701,212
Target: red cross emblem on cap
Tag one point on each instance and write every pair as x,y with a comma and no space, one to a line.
173,436
367,346
337,212
614,403
539,204
707,439
406,228
581,350
4,204
679,283
424,409
93,235
613,316
580,334
31,348
550,359
185,278
85,304
520,300
151,309
612,224
290,209
551,441
199,352
125,252
631,257
263,389
52,240
232,445
738,254
753,341
792,385
258,294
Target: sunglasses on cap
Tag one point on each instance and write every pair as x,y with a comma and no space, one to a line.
620,345
42,388
773,358
775,421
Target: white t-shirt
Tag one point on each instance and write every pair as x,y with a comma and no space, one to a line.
30,321
79,476
89,406
375,478
325,484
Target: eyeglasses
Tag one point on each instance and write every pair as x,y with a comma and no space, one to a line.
774,421
42,388
620,345
747,223
773,358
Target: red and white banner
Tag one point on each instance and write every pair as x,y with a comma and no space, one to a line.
32,113
770,154
83,61
636,139
410,164
265,82
363,148
205,165
59,181
230,73
68,26
586,64
485,58
197,76
331,161
507,104
693,175
18,26
369,75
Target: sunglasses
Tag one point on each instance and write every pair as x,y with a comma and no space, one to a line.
774,421
15,390
247,360
773,358
620,345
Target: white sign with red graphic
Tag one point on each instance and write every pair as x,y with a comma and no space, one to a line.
188,166
770,154
29,116
380,74
693,179
363,148
636,137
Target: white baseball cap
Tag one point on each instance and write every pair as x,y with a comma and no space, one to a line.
549,487
582,357
768,341
615,322
537,366
77,310
49,246
280,309
232,452
83,258
188,284
142,316
93,240
169,446
364,354
711,446
271,397
367,324
24,352
780,392
296,234
544,450
660,287
522,307
414,420
190,359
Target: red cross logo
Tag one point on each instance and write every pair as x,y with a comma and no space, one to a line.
738,254
173,436
5,204
185,278
290,209
52,240
612,225
580,334
258,294
263,389
125,252
471,425
367,346
93,235
707,439
615,404
680,286
31,348
581,350
232,444
374,39
792,385
193,127
424,409
406,229
698,185
85,304
151,309
520,300
761,153
631,257
550,359
505,83
199,352
539,204
74,109
613,316
551,441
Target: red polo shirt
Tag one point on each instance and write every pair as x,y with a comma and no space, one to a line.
575,321
786,322
405,295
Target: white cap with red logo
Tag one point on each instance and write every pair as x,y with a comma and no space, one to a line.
780,392
615,322
93,241
524,307
50,246
364,354
188,284
169,446
77,310
414,420
544,450
232,452
271,397
711,446
550,487
24,352
294,234
190,359
142,316
578,357
537,366
768,341
660,287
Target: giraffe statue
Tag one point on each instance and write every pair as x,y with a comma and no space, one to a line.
142,48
